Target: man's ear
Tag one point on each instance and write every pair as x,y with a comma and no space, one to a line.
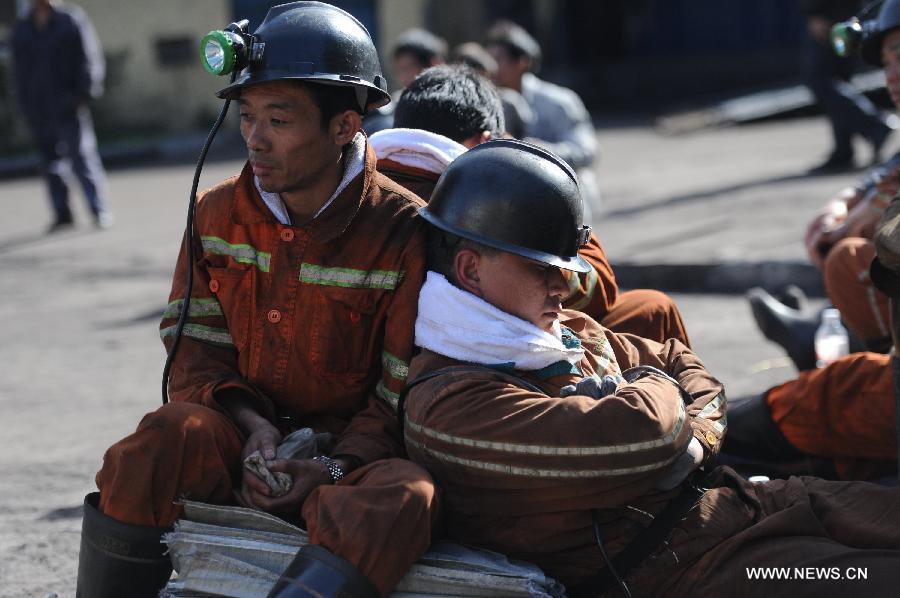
466,266
344,127
477,139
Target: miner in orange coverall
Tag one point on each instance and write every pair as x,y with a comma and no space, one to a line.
449,109
557,441
304,298
838,240
838,420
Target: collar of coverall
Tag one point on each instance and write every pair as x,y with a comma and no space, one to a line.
341,207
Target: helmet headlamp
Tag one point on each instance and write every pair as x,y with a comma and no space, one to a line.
846,37
227,50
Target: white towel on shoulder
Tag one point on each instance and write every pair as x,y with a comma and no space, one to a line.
416,148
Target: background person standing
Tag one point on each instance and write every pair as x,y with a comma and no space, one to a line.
828,77
59,68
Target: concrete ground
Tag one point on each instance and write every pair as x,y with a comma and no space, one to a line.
79,310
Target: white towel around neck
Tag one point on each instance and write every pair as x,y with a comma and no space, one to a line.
460,325
416,148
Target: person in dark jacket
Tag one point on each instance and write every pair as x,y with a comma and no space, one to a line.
828,76
59,68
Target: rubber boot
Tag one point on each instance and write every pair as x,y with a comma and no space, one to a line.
792,329
316,571
117,559
754,445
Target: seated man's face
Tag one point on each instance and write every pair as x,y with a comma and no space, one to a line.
530,290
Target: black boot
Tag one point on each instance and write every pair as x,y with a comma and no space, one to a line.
753,435
792,329
117,559
755,445
316,571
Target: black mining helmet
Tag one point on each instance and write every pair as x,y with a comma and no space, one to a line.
304,41
516,197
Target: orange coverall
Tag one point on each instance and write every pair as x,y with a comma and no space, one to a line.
843,412
521,472
315,323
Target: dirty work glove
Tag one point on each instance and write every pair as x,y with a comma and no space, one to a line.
682,467
590,387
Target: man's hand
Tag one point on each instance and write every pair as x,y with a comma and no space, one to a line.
307,474
818,238
683,466
265,438
261,435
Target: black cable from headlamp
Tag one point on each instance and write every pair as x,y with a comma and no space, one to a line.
233,45
609,564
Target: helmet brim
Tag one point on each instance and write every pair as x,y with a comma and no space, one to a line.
575,263
376,97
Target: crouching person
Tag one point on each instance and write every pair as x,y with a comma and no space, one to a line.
584,451
302,312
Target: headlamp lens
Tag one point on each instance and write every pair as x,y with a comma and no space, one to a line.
218,53
839,39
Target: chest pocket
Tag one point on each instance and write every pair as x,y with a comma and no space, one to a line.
233,287
347,330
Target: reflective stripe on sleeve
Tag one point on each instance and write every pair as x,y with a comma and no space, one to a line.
240,252
349,277
391,398
555,451
396,367
207,334
534,472
199,308
721,423
591,280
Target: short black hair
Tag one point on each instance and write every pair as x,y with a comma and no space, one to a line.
423,45
453,101
441,248
332,99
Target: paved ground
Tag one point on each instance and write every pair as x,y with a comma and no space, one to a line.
82,359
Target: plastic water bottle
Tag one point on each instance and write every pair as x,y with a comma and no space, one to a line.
832,341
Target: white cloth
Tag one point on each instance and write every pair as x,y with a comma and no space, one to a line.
354,164
416,148
457,324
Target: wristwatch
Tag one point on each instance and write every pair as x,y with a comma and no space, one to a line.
334,470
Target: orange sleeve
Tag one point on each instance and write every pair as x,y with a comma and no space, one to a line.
594,292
